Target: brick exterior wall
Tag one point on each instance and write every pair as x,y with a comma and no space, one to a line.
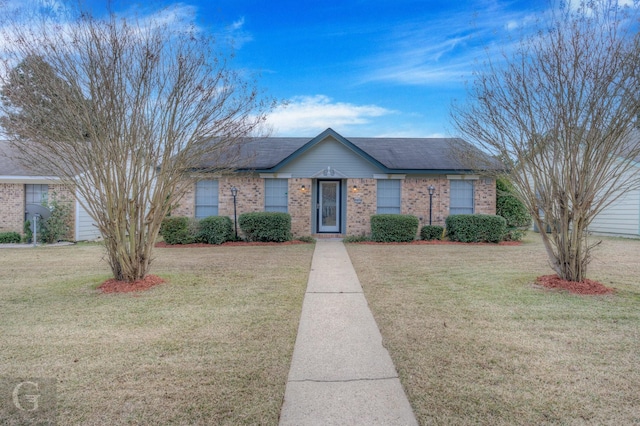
186,205
485,196
415,199
11,207
250,196
361,204
300,206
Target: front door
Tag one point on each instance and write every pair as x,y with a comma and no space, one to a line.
328,206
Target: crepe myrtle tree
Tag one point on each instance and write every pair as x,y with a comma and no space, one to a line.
121,109
560,111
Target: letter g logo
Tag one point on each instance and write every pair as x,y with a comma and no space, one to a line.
27,396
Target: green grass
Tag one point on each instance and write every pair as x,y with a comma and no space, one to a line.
475,341
211,346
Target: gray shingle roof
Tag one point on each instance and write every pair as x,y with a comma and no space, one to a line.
267,153
9,165
419,154
415,154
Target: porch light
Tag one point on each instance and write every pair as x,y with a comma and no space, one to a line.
355,188
303,188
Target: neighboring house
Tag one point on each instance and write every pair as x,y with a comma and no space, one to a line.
622,217
332,185
19,187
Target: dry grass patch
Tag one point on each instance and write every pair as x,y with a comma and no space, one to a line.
477,342
211,346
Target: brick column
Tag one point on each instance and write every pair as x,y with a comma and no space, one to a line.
300,206
361,205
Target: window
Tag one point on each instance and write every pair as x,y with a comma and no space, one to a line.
206,198
389,196
461,197
276,197
36,194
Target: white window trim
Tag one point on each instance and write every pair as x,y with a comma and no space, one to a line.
276,175
205,176
463,177
387,176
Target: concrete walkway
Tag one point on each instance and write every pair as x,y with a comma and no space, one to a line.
340,372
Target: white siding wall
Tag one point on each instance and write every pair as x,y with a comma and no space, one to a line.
620,218
330,152
85,227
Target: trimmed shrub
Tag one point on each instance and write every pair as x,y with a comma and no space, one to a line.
355,239
431,232
56,227
177,230
514,234
266,226
476,228
28,232
392,228
512,209
10,238
307,239
215,230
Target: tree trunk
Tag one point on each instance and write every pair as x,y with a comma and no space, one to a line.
568,249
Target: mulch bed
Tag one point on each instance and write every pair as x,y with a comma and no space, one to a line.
115,286
585,286
227,244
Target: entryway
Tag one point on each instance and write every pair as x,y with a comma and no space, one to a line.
328,206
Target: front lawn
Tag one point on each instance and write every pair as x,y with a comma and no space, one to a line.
211,346
475,341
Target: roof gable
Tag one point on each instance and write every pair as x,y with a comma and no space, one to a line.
327,134
331,155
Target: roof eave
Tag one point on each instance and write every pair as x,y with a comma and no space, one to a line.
29,179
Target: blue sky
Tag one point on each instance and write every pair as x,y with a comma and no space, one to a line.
362,67
365,67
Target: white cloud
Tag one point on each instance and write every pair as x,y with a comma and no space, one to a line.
237,24
444,49
235,34
512,25
308,115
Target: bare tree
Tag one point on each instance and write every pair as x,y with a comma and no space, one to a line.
560,111
122,110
